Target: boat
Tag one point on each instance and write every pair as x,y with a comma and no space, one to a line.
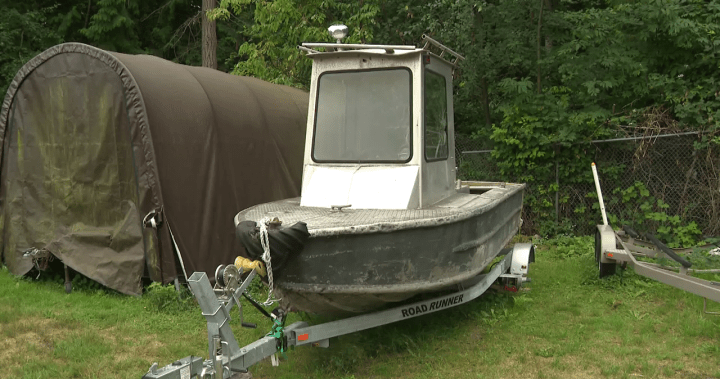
381,216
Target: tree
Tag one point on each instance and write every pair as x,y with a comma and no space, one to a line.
209,36
24,33
114,26
278,27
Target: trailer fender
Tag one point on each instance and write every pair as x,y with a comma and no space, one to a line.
522,255
607,242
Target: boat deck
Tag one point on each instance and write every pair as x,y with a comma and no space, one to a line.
325,221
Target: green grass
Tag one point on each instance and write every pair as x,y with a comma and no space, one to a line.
568,325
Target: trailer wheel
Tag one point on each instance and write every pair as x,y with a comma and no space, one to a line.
605,269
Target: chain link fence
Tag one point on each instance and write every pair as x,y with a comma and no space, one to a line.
673,175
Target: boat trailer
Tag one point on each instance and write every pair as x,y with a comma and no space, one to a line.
621,247
227,358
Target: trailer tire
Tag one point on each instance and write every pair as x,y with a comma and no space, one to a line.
605,269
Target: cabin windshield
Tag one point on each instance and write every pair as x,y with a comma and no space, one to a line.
363,116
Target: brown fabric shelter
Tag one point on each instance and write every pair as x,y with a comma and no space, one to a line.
92,141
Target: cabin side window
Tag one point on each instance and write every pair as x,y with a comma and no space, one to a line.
436,117
364,116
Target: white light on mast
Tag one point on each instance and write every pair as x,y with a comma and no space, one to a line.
338,32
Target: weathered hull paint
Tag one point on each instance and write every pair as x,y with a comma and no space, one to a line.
355,272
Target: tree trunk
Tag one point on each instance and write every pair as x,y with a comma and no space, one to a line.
539,83
485,100
479,25
548,40
87,15
209,36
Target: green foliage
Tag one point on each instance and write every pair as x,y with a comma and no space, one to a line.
167,299
270,52
645,213
539,131
539,142
166,28
598,61
566,246
537,89
83,283
23,34
565,318
113,26
258,289
630,67
702,259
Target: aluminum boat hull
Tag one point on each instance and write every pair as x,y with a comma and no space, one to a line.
358,260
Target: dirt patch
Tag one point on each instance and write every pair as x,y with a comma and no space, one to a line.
34,338
128,347
147,347
28,335
534,366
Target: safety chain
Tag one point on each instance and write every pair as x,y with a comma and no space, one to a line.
265,242
278,332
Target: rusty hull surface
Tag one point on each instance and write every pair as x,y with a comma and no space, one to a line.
358,260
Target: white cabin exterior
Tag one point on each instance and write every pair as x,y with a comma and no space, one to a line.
380,132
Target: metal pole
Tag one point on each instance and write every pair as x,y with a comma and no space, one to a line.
642,137
599,192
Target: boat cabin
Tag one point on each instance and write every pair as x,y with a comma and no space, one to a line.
380,126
